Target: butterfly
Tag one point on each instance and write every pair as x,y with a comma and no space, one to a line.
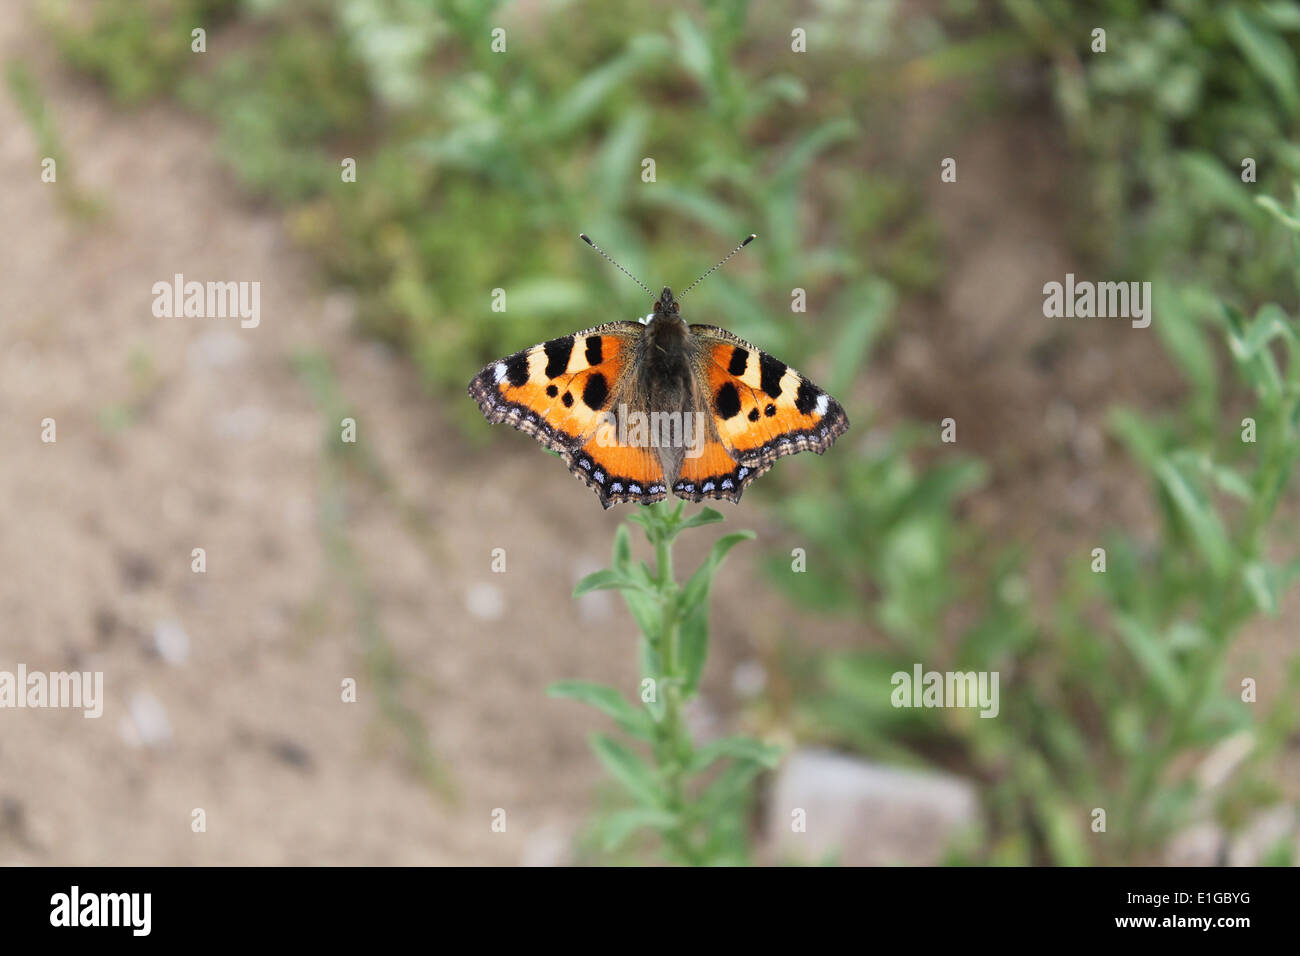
640,409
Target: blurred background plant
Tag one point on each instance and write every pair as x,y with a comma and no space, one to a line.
524,152
476,171
1188,99
1125,678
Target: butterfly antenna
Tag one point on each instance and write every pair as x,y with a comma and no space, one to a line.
752,237
583,237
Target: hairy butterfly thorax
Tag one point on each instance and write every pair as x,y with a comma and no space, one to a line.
665,369
641,409
665,387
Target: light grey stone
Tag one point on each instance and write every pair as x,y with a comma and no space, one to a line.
859,813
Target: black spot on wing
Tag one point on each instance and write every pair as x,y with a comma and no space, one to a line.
557,355
727,401
595,391
594,350
769,411
806,399
517,369
753,414
568,400
552,391
817,437
770,372
739,359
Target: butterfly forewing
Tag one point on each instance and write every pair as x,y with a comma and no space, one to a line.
557,390
763,409
562,393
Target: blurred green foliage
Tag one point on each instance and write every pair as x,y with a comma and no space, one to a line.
1162,123
1184,92
476,170
1126,676
1124,681
25,91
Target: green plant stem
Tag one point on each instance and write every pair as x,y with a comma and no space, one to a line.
674,750
698,818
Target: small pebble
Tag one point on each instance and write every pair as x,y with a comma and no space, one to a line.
485,602
171,642
146,723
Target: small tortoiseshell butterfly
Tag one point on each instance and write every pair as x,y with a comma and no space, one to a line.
638,408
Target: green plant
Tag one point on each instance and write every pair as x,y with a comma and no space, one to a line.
1113,694
475,169
697,814
27,94
135,48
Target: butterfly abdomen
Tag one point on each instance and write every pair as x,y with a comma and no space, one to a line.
665,383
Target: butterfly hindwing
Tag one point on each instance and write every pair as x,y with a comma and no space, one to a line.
617,471
763,409
714,473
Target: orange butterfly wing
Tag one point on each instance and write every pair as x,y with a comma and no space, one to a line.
619,471
762,410
714,473
561,392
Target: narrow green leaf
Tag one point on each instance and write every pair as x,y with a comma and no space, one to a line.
620,152
697,588
1282,14
1212,184
693,646
693,49
1198,514
617,827
1262,581
609,701
739,748
1272,205
1061,829
586,96
698,206
1155,659
622,549
628,769
606,580
644,610
1270,323
830,133
1143,439
702,517
868,304
643,517
1231,483
1184,334
652,668
1268,53
730,784
694,627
